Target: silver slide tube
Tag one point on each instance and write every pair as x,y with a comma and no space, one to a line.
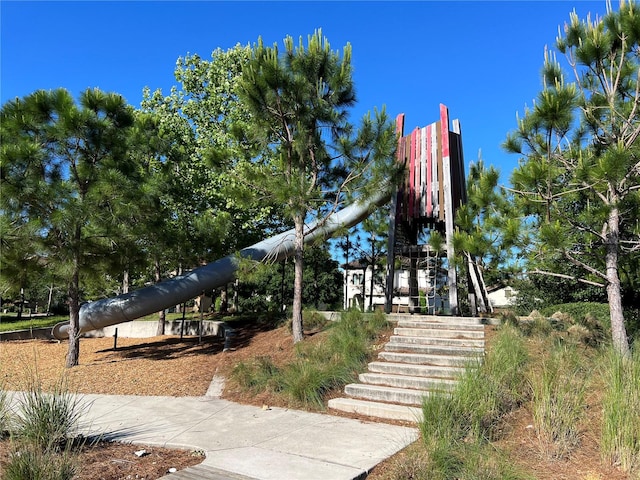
148,300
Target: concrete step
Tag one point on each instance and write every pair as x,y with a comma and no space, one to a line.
379,410
205,472
407,381
379,393
434,349
433,371
438,333
439,326
425,355
426,359
461,342
397,317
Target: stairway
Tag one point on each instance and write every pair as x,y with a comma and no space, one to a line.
426,354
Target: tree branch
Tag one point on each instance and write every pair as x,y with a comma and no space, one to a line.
588,268
570,277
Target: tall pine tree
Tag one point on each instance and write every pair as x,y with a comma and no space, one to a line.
65,168
307,156
579,177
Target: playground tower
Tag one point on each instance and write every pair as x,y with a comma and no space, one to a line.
434,188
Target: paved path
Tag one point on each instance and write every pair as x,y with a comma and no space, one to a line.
243,441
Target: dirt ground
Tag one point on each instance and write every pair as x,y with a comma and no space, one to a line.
174,367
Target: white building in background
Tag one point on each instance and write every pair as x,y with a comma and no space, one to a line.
358,286
503,297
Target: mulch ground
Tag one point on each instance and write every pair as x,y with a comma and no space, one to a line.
165,366
173,367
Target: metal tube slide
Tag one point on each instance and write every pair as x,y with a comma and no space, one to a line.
148,300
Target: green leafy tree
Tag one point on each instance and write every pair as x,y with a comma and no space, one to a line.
268,287
209,202
307,156
579,176
65,169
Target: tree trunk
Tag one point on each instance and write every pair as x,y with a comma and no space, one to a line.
236,296
224,301
125,281
73,353
371,285
161,315
363,286
618,330
296,318
49,299
283,305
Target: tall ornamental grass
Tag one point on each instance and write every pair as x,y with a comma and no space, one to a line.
42,431
49,419
620,441
318,367
28,462
5,412
457,426
485,392
558,400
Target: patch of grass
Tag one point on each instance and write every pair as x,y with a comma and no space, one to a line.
317,368
482,462
48,419
256,376
463,460
538,326
28,462
413,464
473,411
8,324
313,321
558,400
583,313
5,412
306,381
620,442
43,433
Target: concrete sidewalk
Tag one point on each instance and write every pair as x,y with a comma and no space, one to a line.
243,441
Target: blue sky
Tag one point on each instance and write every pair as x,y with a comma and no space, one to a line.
482,59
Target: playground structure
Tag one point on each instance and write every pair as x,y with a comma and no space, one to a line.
434,186
433,189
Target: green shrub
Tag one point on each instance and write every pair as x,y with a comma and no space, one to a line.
584,313
632,321
620,441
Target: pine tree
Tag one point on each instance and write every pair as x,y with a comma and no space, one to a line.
579,176
65,166
307,155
